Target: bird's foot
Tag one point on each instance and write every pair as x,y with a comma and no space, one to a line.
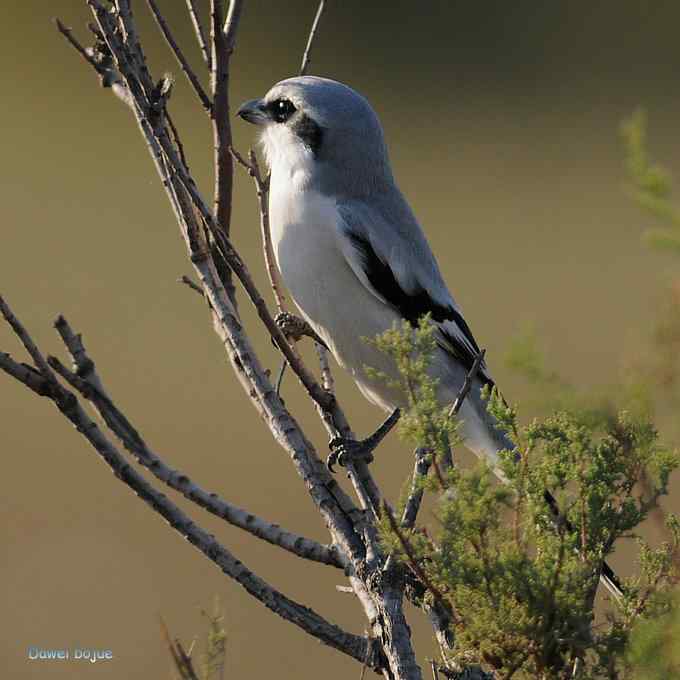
345,451
295,328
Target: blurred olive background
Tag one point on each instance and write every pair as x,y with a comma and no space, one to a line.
502,121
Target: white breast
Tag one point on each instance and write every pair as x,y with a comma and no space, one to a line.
324,287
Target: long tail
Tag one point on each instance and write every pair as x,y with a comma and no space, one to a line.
483,436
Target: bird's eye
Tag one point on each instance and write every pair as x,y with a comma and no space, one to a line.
282,110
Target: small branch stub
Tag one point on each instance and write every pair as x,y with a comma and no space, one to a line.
307,56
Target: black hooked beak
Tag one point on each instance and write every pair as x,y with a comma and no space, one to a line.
254,112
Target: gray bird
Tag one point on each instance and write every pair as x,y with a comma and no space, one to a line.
351,251
353,255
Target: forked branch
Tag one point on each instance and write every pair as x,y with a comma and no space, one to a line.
69,405
87,382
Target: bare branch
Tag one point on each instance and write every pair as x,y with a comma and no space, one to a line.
200,33
252,167
81,361
129,30
223,44
68,34
25,374
176,139
415,497
179,55
411,558
32,349
89,387
101,62
447,458
231,24
188,282
181,660
288,609
301,616
467,384
134,52
119,28
306,57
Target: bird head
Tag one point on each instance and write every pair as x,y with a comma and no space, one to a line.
322,130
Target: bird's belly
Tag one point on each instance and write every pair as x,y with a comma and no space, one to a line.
329,295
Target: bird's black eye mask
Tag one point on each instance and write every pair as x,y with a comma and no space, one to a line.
307,130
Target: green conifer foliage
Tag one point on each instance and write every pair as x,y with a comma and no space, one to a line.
521,584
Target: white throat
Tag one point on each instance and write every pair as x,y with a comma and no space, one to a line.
289,160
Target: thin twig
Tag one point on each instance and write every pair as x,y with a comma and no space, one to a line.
129,31
222,46
411,558
171,647
180,658
188,282
179,55
415,497
447,458
25,374
467,384
187,662
177,140
252,167
306,57
30,346
200,33
231,24
279,380
243,519
68,34
89,388
443,484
